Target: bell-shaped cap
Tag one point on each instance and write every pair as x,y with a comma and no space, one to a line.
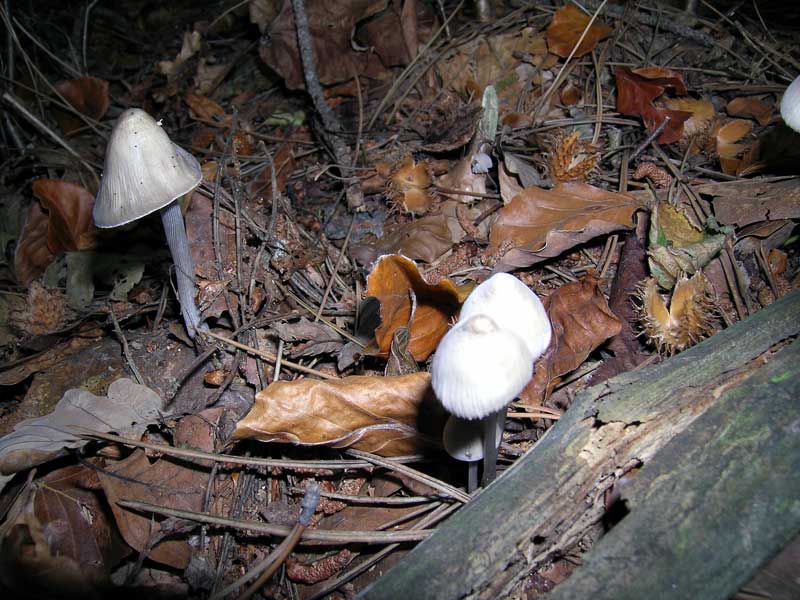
479,368
463,438
144,171
513,306
790,105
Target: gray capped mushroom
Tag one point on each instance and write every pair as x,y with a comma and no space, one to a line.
790,105
463,440
145,172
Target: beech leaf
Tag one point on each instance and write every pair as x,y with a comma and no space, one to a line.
391,281
636,91
566,28
581,321
69,207
374,414
543,223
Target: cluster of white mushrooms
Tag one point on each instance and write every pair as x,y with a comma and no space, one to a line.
483,363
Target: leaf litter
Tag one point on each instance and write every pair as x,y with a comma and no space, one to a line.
624,171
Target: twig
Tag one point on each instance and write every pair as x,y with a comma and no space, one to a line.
126,349
311,535
268,356
383,500
446,489
277,557
335,271
651,137
89,8
295,465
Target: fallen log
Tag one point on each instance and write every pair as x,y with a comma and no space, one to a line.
705,451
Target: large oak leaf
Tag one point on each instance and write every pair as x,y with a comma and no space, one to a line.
542,223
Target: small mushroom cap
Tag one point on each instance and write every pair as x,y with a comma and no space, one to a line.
790,105
144,171
513,306
463,438
479,368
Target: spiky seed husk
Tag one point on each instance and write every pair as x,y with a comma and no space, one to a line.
408,186
690,318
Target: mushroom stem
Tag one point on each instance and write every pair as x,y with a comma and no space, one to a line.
472,476
184,267
490,449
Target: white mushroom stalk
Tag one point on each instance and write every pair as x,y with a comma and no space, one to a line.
145,172
487,358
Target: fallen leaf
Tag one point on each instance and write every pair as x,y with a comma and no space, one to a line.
127,409
678,246
374,414
566,28
751,107
391,280
207,111
581,322
636,92
700,122
727,137
753,201
542,224
165,482
318,337
191,45
57,535
69,206
87,95
32,254
424,239
331,25
282,166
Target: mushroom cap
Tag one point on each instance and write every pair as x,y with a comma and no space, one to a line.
479,368
513,306
144,171
790,105
463,438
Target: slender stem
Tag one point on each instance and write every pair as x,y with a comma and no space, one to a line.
490,445
472,476
184,267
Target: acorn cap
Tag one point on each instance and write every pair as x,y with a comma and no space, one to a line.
463,438
513,306
144,171
790,105
479,368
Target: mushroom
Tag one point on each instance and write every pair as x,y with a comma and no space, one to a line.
513,306
145,172
477,370
463,440
790,105
517,315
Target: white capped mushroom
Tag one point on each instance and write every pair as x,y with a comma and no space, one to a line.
478,368
145,172
513,306
790,105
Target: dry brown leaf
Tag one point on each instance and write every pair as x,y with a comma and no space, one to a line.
282,165
636,91
424,239
57,536
374,414
32,255
69,205
566,29
730,143
331,25
164,482
87,95
391,281
207,111
752,107
581,322
697,127
541,224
